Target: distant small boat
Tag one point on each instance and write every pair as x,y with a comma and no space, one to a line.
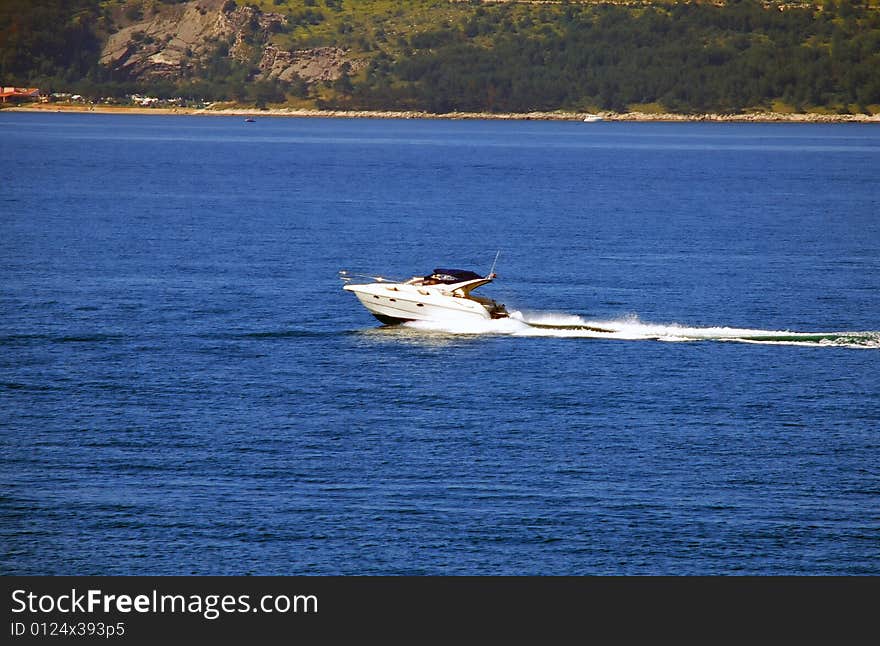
250,120
592,118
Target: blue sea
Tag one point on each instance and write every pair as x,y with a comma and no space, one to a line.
186,389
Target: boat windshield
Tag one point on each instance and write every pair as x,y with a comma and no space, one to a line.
450,276
446,277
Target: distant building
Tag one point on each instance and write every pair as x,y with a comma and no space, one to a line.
146,101
19,94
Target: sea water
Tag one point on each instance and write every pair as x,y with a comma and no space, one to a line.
689,382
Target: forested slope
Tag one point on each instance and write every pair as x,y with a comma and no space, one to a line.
442,56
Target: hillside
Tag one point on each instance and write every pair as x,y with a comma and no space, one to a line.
441,56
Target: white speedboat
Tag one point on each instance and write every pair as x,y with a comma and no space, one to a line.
442,296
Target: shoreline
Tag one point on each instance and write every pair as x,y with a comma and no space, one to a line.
754,117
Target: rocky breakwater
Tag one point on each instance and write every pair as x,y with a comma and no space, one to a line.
745,117
756,117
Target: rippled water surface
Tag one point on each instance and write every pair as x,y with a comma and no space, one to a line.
185,387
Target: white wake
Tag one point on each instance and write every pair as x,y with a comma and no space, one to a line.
631,328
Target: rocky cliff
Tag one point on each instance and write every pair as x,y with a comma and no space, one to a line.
177,41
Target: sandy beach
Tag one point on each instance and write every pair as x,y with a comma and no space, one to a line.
752,117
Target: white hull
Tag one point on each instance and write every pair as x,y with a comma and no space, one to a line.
398,302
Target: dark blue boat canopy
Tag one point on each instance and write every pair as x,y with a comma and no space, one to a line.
450,276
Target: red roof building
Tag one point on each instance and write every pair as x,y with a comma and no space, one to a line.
19,94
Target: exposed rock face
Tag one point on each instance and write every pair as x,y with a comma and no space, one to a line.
318,64
169,43
174,42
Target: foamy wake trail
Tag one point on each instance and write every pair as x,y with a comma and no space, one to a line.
631,328
468,325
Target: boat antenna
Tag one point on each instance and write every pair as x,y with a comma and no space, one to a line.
495,262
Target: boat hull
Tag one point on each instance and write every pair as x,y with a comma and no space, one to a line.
398,303
389,320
